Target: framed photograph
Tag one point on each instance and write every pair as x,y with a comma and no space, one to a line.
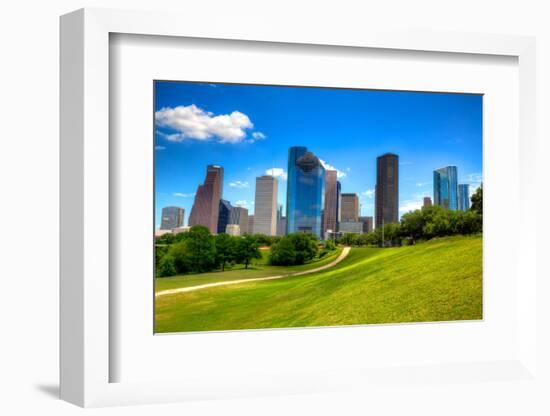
281,213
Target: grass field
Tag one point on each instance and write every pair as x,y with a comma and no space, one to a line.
439,280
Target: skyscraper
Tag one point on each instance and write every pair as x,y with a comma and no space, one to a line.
330,215
350,207
463,197
172,217
446,187
281,222
338,204
206,206
305,192
265,205
224,215
250,224
239,215
427,201
387,189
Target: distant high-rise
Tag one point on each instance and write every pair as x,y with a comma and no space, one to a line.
446,187
281,222
207,200
239,215
350,207
353,227
330,214
172,217
463,197
367,224
305,192
223,215
233,229
387,189
265,205
338,203
250,224
427,201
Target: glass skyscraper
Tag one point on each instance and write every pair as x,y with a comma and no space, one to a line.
305,192
223,215
463,197
446,187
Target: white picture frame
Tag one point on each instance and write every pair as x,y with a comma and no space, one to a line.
85,220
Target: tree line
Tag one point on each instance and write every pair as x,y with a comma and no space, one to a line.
424,224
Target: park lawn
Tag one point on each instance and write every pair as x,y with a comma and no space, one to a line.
439,280
259,268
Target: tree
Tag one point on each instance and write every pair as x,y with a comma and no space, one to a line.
348,239
412,224
329,245
305,246
201,249
477,200
166,266
283,253
225,249
247,249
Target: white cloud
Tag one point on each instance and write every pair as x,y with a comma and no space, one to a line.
422,184
160,147
339,173
192,122
277,173
409,206
369,193
241,203
258,135
239,184
183,195
472,179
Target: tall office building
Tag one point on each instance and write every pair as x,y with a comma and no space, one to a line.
338,204
446,187
281,222
305,192
250,224
367,224
350,207
223,215
172,217
387,189
427,201
463,197
206,206
330,213
239,215
265,205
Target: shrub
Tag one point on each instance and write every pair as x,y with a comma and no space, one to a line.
292,249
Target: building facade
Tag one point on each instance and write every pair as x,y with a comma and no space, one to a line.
350,207
427,202
446,187
305,192
387,189
265,205
224,215
330,213
281,222
250,224
206,205
368,225
172,217
239,215
354,227
233,229
463,197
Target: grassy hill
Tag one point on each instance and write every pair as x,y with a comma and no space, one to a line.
438,280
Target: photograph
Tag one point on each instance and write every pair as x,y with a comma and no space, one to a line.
282,206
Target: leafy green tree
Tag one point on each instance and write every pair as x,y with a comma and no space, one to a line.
166,267
225,249
305,245
201,249
247,249
348,239
412,224
329,245
167,238
477,200
283,253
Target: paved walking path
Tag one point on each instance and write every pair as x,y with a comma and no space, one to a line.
341,257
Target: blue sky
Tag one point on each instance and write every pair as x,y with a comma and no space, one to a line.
248,129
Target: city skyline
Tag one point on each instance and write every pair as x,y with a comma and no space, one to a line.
248,130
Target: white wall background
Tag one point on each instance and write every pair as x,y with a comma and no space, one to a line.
29,207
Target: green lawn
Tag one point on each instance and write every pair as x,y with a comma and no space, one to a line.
260,268
438,280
